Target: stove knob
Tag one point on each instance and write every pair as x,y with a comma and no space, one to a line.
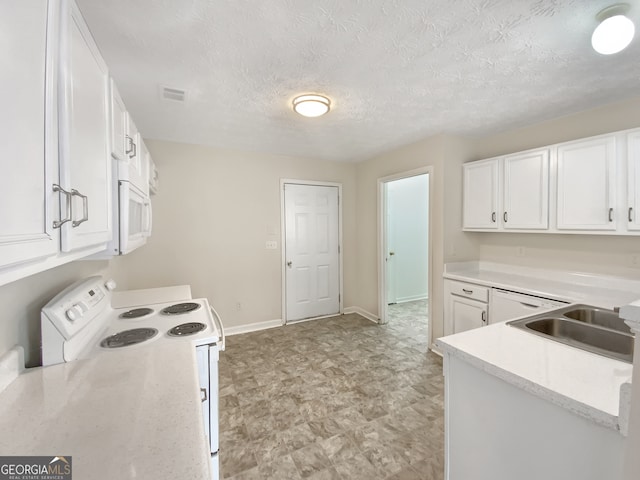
74,313
110,285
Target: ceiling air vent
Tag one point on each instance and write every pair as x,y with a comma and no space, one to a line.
173,94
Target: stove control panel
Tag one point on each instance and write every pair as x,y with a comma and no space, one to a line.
78,305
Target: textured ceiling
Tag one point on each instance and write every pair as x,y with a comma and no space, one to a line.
396,70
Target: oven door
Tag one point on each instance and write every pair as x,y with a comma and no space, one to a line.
208,356
135,217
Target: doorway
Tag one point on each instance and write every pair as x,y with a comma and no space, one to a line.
312,267
404,248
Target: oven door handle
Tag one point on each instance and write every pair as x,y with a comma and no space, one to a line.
216,319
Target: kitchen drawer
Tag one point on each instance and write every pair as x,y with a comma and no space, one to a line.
469,290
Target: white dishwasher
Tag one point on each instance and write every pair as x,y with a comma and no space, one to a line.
506,305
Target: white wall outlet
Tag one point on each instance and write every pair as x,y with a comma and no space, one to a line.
271,245
520,252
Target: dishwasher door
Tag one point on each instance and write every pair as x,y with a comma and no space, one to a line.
507,305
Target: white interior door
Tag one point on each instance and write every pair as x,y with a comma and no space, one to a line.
390,246
312,272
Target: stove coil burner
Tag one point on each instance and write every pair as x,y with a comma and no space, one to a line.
136,313
186,329
128,337
180,308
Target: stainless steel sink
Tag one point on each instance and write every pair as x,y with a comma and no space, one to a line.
589,328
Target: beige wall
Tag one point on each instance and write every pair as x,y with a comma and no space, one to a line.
445,154
22,301
602,254
214,213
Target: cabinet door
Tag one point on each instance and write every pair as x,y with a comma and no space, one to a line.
28,136
480,202
633,209
467,314
526,191
85,160
118,124
586,184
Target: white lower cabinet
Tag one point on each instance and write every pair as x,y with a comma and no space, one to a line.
28,133
495,430
466,306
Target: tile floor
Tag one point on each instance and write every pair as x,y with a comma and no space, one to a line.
338,398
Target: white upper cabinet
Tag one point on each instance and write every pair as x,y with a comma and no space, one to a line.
85,159
526,190
118,124
633,165
28,134
480,201
586,175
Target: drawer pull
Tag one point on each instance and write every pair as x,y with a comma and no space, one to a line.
468,292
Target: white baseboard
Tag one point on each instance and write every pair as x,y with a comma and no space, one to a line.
252,327
412,298
363,313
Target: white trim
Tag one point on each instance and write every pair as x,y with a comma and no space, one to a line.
363,313
252,327
11,365
294,322
283,246
412,298
382,287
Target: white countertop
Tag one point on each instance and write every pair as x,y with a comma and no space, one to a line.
134,414
582,382
597,290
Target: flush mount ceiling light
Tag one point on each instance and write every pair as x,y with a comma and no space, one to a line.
311,105
615,31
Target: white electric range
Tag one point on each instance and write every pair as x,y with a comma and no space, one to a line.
81,323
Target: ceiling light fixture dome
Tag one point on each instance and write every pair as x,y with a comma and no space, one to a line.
615,31
311,105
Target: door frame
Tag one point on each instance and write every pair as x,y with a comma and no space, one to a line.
283,246
382,241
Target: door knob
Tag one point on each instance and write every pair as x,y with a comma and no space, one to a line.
289,264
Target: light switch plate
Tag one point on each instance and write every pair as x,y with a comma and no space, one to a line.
271,245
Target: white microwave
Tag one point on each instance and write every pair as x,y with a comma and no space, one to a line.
135,217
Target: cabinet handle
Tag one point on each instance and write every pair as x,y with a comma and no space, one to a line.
493,217
203,395
504,217
131,144
468,292
484,317
135,150
85,208
631,214
67,218
611,214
